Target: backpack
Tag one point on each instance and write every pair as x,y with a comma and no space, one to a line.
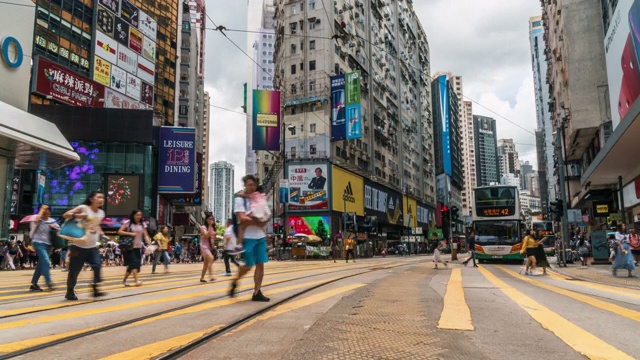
234,219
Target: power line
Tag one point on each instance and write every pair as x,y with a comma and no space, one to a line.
326,13
267,32
16,4
226,109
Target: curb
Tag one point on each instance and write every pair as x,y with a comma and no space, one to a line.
557,270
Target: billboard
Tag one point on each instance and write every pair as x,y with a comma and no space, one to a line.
348,191
308,187
309,225
382,202
118,79
443,87
425,216
410,210
266,120
105,21
115,100
65,86
123,194
354,116
622,54
338,111
176,160
106,47
101,71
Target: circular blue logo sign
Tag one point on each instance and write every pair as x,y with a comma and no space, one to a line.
15,61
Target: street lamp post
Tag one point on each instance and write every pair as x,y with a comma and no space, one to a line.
285,223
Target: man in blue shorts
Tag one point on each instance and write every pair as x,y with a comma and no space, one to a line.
254,241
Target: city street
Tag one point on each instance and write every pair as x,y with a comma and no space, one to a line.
382,308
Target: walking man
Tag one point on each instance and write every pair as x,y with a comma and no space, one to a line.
471,245
229,247
349,244
254,240
162,239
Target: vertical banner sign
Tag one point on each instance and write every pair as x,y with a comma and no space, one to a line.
353,109
284,191
177,157
338,113
42,180
266,120
444,118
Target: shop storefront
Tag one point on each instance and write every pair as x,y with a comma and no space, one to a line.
27,142
426,220
384,208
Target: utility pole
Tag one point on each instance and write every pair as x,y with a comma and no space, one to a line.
563,195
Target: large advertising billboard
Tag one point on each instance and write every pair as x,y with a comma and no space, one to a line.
308,187
382,202
443,86
622,52
123,194
66,86
410,207
338,112
346,113
309,225
348,191
426,216
176,160
266,120
353,109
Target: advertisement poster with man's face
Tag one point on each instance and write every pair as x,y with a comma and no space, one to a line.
308,187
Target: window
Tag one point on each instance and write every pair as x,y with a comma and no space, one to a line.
293,49
264,36
293,69
312,127
264,44
270,70
264,61
302,6
293,130
312,65
264,78
294,9
293,148
293,89
270,45
312,45
312,4
312,24
293,27
312,85
301,45
301,66
312,149
264,53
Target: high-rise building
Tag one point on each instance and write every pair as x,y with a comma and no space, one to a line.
544,129
486,147
397,131
221,190
525,170
508,156
198,16
447,146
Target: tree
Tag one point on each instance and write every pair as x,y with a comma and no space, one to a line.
321,230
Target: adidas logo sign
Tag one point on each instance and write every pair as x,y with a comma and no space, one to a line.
348,194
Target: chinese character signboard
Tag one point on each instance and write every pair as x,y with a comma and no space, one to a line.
266,120
101,71
66,86
177,156
308,187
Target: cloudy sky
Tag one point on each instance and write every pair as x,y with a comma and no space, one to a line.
485,41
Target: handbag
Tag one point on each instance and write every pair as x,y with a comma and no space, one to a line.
56,241
125,243
73,230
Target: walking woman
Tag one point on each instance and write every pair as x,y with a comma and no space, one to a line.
42,224
529,246
634,245
540,255
623,258
207,246
86,251
135,228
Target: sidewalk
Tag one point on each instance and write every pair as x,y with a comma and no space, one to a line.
599,274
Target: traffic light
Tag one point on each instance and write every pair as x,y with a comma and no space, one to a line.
277,229
455,214
557,209
444,216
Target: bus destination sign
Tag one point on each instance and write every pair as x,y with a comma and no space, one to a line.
498,211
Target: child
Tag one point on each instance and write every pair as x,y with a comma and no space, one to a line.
259,210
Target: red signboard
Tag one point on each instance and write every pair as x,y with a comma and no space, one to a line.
66,86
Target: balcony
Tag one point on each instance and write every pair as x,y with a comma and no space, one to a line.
306,155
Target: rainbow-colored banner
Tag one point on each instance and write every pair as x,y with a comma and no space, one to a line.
266,120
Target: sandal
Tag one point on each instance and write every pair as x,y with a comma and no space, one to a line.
203,280
212,280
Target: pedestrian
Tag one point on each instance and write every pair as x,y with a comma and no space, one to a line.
162,241
41,227
471,245
435,248
623,258
10,255
135,228
254,242
177,251
82,252
634,245
335,248
583,250
208,247
349,244
540,255
229,247
529,245
63,258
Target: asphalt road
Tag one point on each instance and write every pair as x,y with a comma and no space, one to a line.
391,308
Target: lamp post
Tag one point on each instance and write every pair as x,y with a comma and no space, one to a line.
291,128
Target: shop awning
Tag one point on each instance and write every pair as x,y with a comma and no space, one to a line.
620,155
35,142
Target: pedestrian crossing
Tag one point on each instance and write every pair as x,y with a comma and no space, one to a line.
608,300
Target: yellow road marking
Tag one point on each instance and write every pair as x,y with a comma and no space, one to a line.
612,289
455,312
158,348
579,339
20,345
604,305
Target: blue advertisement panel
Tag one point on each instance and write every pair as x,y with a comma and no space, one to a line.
177,160
354,125
338,108
444,119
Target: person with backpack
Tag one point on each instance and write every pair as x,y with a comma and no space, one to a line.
41,227
254,242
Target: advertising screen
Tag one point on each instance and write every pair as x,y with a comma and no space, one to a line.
123,194
338,111
266,120
309,225
308,187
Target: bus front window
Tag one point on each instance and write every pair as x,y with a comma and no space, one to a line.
497,232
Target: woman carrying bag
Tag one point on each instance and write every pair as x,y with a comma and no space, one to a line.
42,225
85,250
132,234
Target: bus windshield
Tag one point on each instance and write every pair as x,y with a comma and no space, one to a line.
497,232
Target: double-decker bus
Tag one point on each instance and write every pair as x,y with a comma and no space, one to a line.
497,223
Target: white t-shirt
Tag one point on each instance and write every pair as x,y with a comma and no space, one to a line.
232,238
92,227
252,231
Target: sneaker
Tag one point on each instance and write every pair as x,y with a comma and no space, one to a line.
35,288
237,250
50,287
71,296
259,297
138,283
126,284
227,274
232,289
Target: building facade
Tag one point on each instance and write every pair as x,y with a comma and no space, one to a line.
508,156
486,151
221,190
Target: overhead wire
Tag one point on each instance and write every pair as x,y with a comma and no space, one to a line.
16,4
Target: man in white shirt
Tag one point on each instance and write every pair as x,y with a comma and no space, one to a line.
254,241
229,246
